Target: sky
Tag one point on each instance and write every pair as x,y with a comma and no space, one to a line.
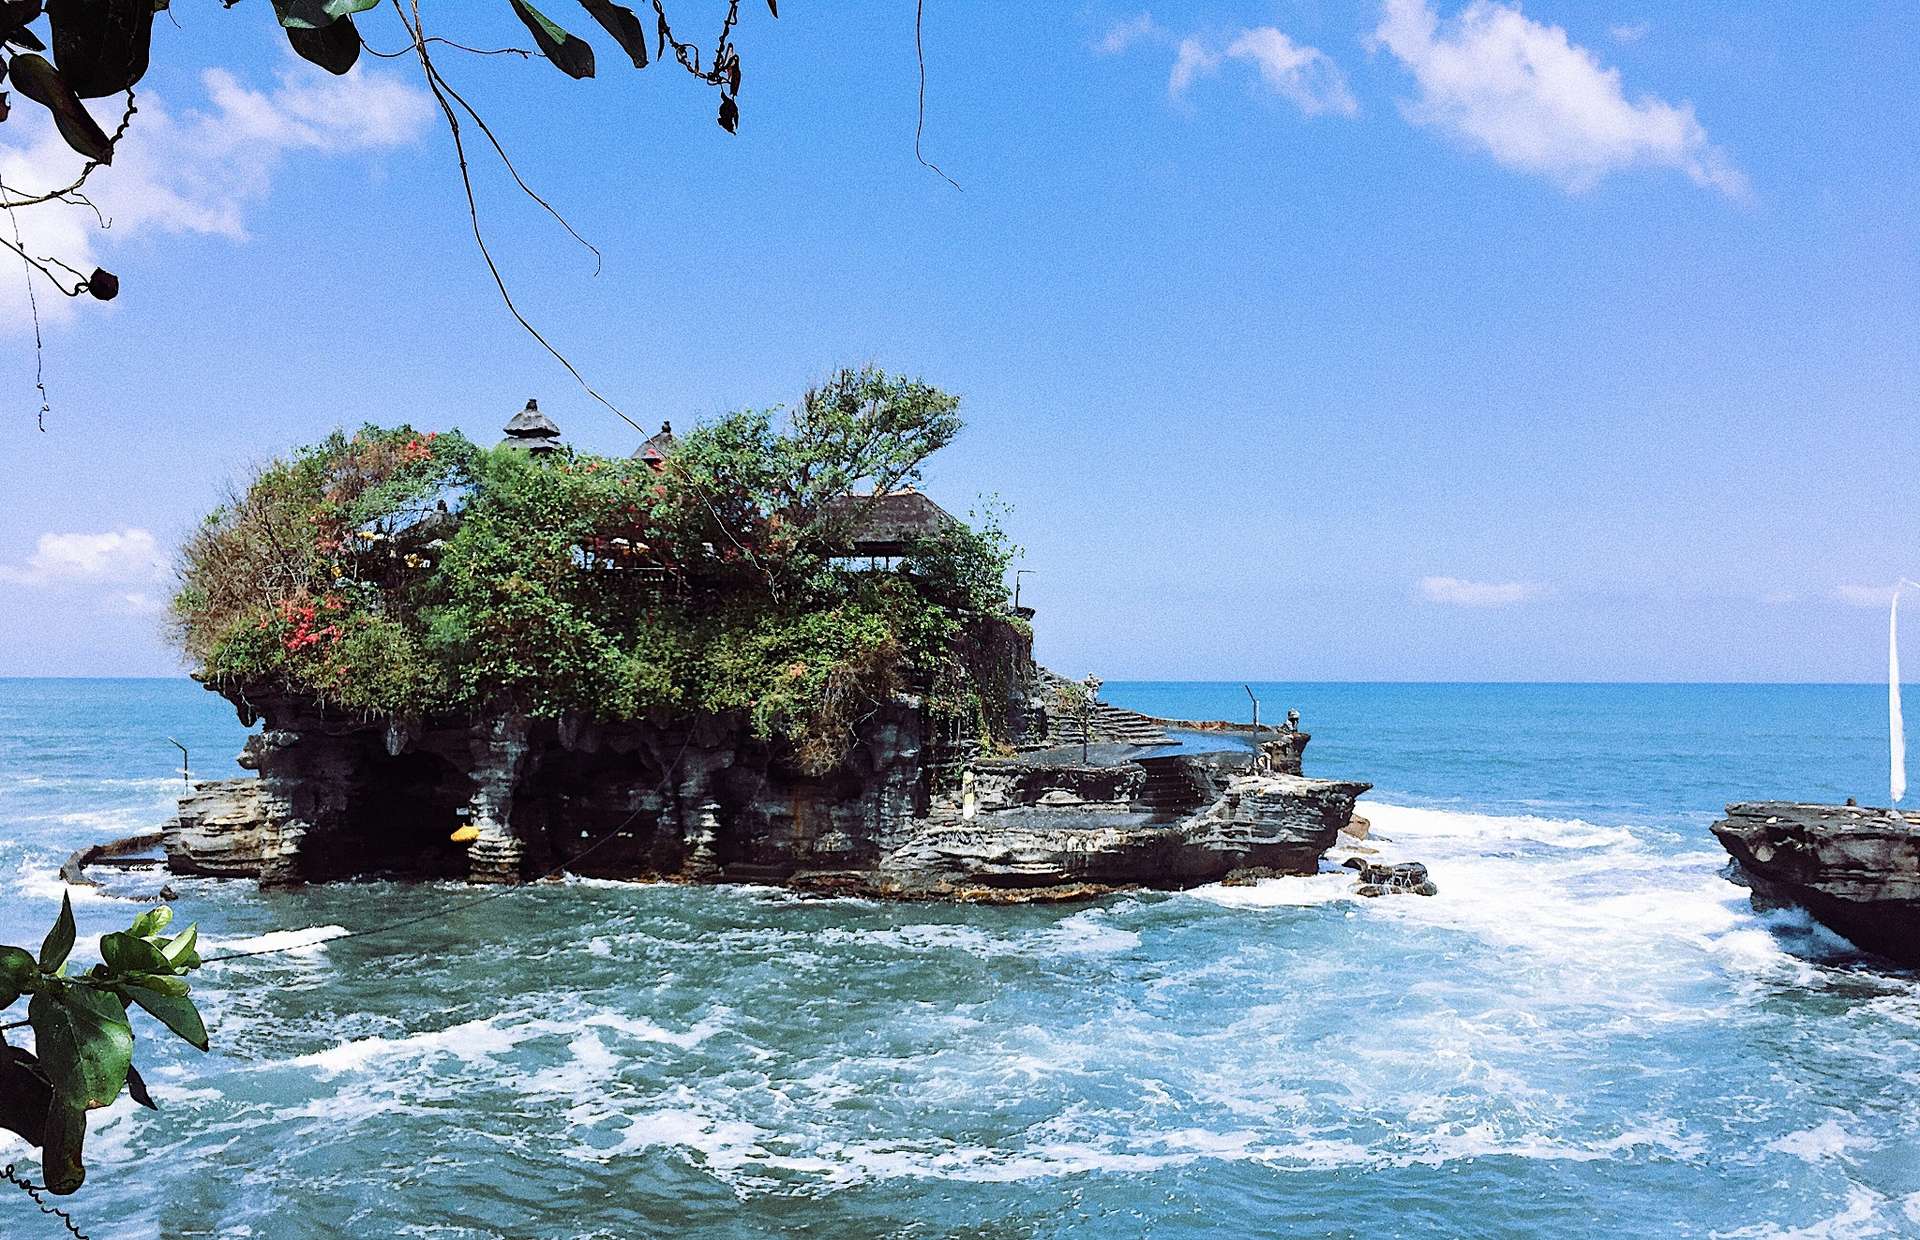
1306,339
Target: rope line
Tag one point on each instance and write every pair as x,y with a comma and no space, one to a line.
34,1190
462,906
33,305
920,117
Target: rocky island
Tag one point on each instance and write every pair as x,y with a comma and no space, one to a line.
755,652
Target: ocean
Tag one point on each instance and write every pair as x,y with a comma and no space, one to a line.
1588,1032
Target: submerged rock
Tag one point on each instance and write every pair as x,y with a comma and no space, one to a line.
1857,870
1388,879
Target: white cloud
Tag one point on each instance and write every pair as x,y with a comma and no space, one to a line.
125,557
1304,76
1864,596
1191,61
194,171
1455,592
1537,102
1629,32
1124,34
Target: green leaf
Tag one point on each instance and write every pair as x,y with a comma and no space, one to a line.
180,949
572,55
24,1094
101,45
59,941
40,82
619,21
60,1142
316,14
151,922
17,973
334,47
126,954
176,1012
84,1043
14,16
137,1090
159,983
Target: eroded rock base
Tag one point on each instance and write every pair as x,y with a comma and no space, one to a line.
1855,869
599,801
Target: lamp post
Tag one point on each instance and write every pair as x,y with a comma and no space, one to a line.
1018,573
1257,749
185,778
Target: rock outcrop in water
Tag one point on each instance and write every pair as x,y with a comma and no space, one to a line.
699,799
1857,870
1272,824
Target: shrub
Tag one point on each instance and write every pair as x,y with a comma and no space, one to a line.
405,574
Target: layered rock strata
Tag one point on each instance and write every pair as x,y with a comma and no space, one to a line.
698,799
1857,870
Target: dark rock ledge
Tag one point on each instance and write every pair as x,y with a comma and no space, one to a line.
1856,870
697,800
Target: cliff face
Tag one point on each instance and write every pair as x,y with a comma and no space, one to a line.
694,797
699,799
1259,823
1855,869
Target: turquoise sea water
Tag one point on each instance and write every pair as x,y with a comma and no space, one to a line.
1587,1033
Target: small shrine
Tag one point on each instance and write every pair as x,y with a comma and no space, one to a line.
531,431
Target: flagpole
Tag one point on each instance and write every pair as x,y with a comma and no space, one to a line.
1896,726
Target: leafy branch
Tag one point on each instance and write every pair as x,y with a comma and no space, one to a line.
83,1041
101,48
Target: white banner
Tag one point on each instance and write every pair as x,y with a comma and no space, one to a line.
1896,727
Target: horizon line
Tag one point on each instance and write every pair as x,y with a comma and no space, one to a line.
1232,681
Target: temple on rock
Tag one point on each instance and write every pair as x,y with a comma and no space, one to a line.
536,714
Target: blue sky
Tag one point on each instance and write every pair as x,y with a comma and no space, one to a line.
1349,339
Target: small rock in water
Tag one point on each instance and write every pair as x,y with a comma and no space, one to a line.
1401,877
1357,827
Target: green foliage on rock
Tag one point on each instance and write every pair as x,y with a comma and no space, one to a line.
401,574
83,1040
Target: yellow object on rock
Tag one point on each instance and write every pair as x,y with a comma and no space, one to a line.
465,834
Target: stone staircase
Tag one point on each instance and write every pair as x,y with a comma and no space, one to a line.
1172,788
1106,722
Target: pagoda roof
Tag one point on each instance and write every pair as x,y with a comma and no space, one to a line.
657,446
882,525
530,423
